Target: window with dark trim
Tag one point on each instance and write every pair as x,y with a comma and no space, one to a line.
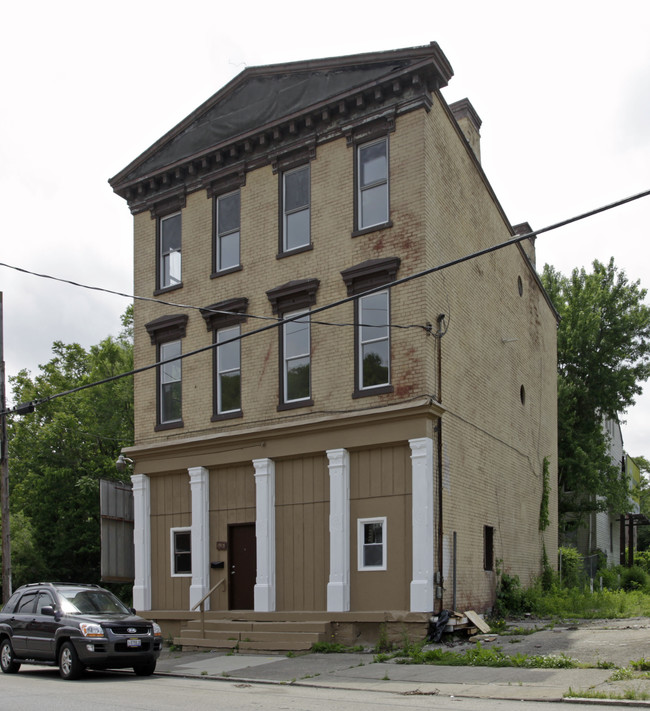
228,371
169,257
372,196
488,548
372,365
166,333
373,317
224,319
227,231
296,356
296,208
294,299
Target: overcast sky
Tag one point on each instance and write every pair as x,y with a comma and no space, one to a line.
562,88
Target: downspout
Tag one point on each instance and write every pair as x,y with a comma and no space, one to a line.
439,335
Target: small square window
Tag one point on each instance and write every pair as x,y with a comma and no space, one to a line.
371,539
181,552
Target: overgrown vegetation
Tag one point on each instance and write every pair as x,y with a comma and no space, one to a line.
618,592
478,656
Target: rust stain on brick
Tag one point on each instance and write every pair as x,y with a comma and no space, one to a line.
404,390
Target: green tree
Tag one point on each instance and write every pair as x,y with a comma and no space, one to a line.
58,454
603,359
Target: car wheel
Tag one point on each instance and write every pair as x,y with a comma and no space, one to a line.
145,669
69,665
7,661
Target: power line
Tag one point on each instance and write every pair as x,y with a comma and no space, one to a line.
25,408
163,302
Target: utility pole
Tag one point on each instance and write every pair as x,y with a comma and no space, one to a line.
4,474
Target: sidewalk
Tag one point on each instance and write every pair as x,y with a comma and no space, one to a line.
605,641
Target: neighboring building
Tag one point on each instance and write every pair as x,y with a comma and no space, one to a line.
382,455
609,532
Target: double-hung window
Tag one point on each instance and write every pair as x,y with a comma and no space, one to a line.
166,333
372,184
181,552
374,340
296,208
169,258
169,399
371,537
227,221
293,301
297,357
228,371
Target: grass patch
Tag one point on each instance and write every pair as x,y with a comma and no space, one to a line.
627,695
334,648
480,657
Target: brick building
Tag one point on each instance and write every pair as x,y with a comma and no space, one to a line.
362,463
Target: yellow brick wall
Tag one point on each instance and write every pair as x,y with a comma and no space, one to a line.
495,340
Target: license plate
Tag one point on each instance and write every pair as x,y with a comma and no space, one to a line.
133,642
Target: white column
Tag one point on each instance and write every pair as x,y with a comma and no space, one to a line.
338,587
265,534
200,489
422,593
142,541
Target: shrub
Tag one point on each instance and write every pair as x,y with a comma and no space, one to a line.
634,578
571,569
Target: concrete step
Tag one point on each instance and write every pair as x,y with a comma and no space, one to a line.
251,626
253,635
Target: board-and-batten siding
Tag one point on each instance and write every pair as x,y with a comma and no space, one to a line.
232,501
302,533
170,508
380,485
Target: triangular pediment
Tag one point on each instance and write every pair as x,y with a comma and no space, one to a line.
261,98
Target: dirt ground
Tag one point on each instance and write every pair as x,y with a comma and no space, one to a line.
616,642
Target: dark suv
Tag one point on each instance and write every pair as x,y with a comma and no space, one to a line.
75,626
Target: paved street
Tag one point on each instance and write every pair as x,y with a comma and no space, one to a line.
38,689
353,681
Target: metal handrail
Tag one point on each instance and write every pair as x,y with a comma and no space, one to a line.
201,603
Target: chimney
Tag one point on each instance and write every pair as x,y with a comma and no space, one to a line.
470,124
528,244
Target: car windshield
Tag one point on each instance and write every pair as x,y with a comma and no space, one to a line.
90,601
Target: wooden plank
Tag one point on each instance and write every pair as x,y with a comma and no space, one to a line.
478,621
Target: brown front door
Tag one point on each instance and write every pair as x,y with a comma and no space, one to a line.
242,566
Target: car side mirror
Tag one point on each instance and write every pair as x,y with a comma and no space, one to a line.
47,610
132,611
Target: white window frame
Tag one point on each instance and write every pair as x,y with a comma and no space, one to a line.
361,523
303,208
172,550
363,342
170,256
286,359
219,234
227,334
385,180
161,393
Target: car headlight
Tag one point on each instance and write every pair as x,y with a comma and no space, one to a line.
89,629
156,630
